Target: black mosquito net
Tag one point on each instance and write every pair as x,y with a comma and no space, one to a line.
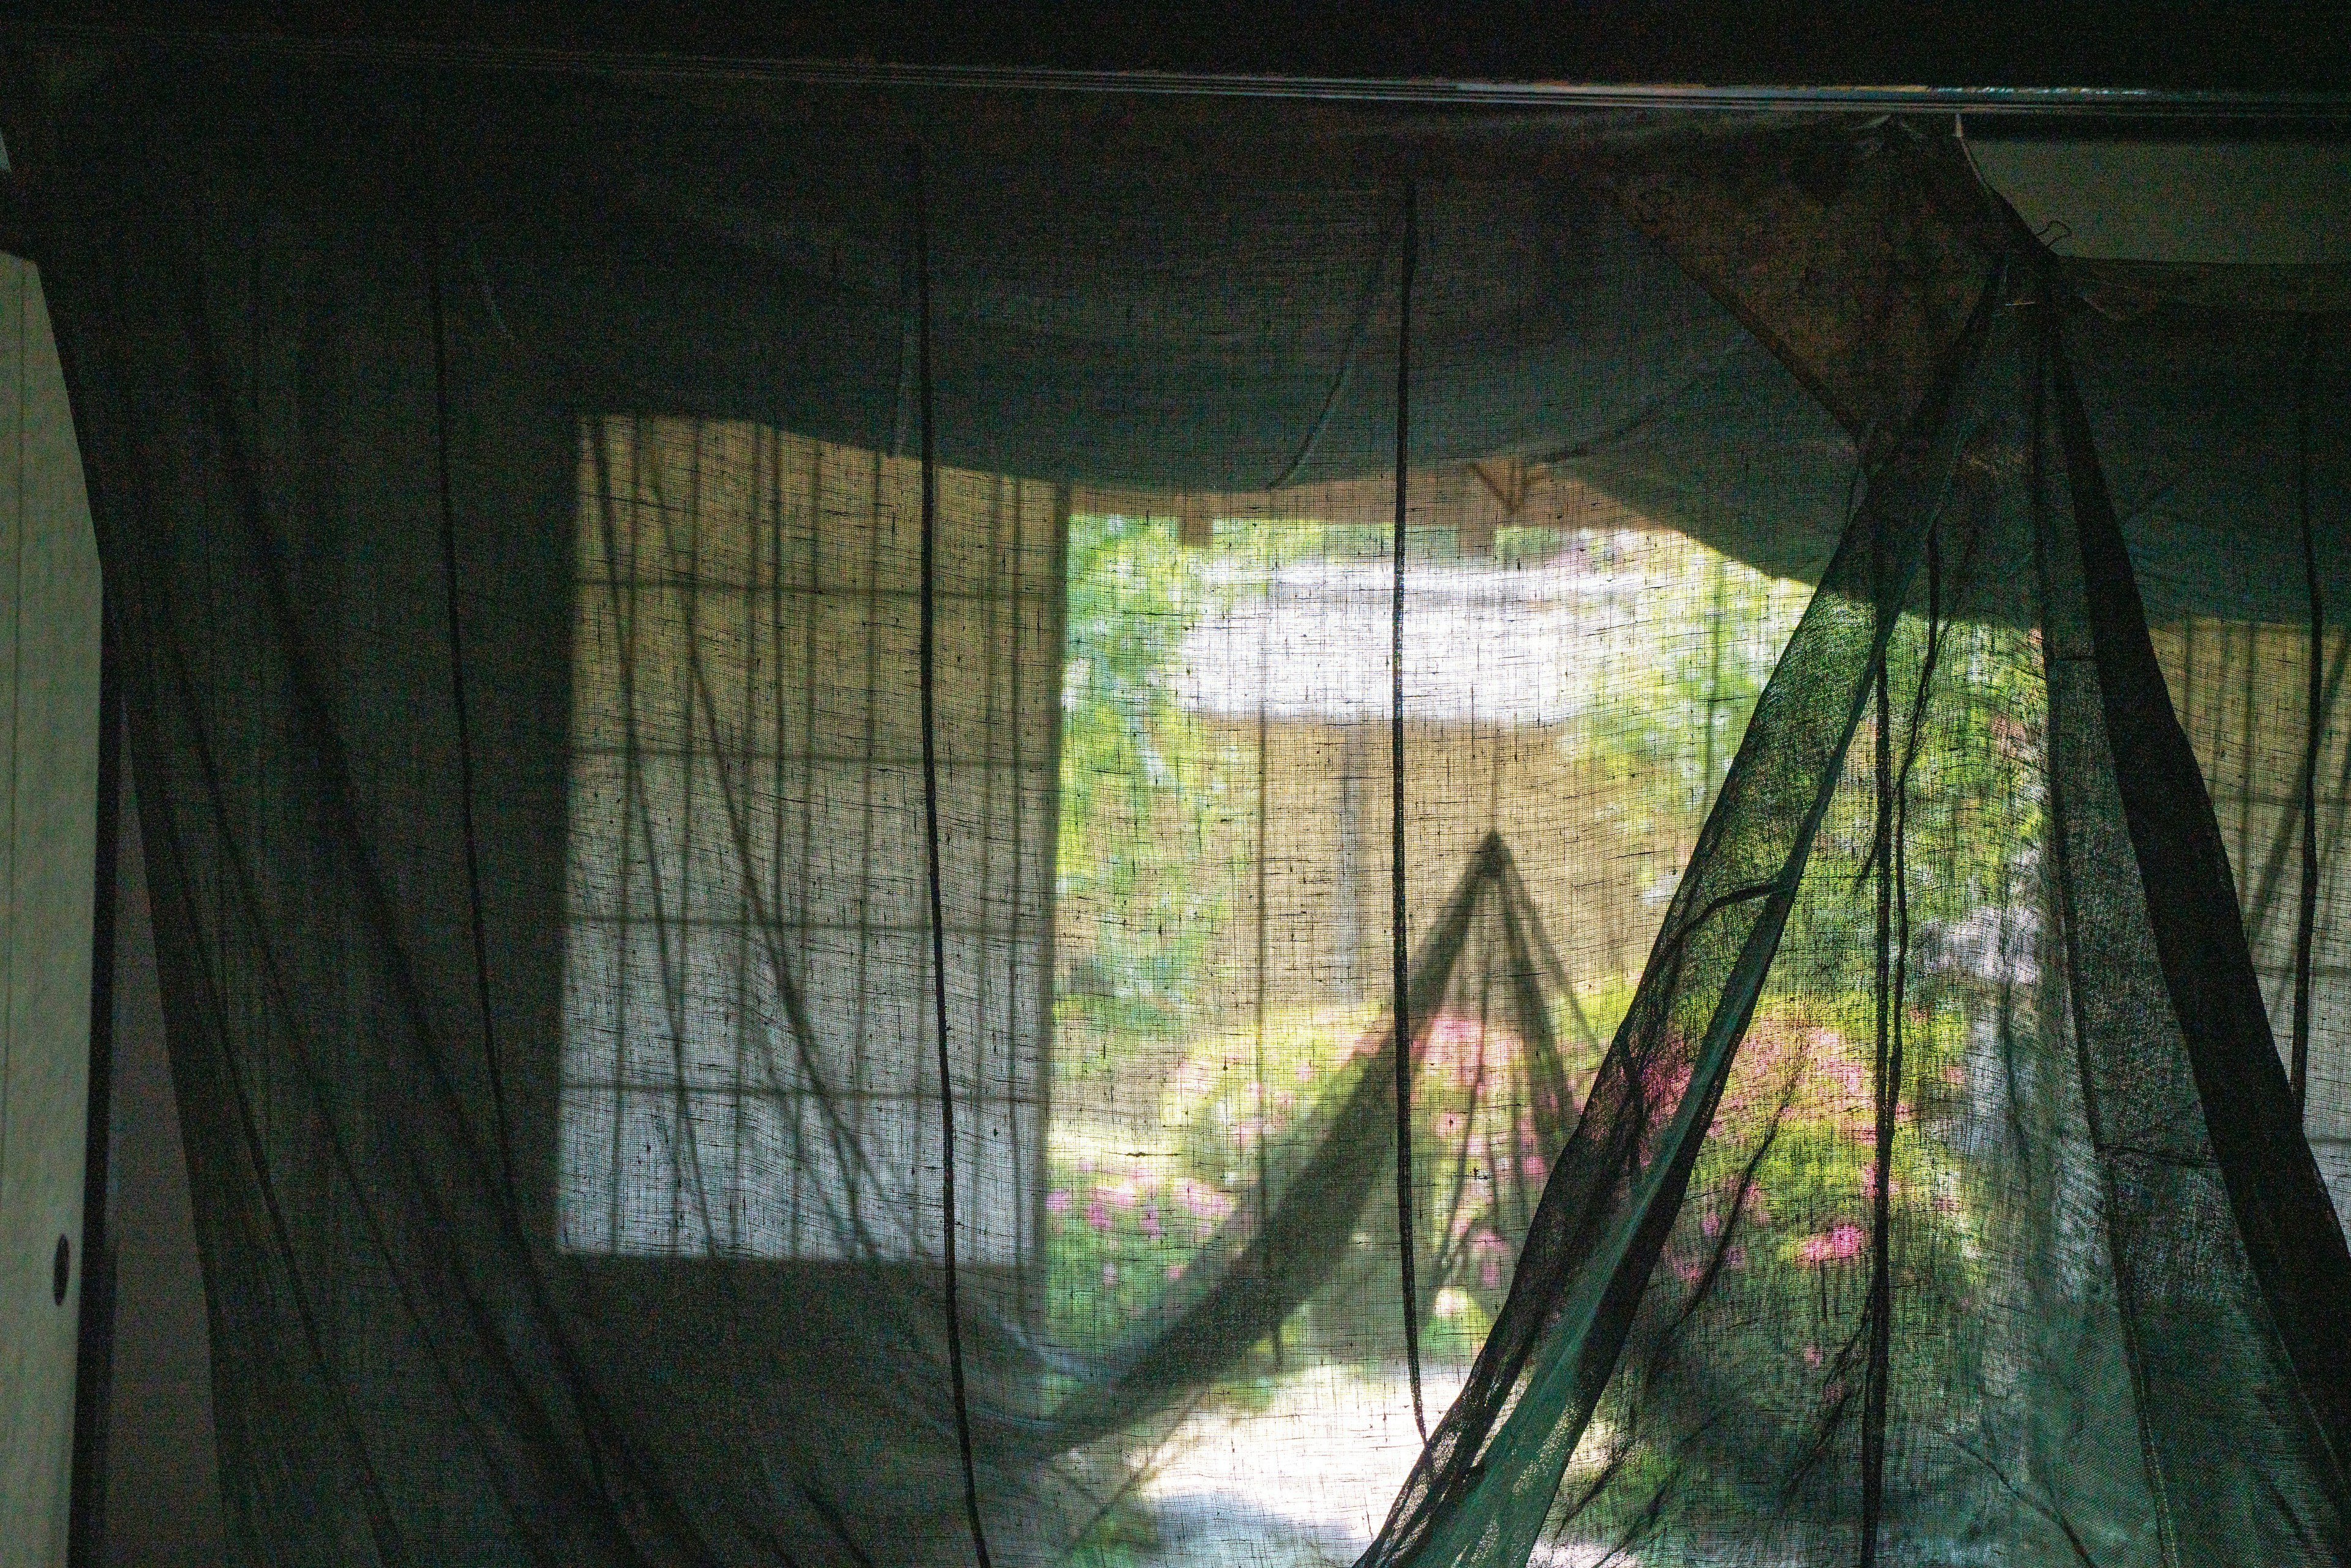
912,827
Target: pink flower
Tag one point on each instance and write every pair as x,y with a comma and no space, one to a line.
1455,1046
1452,1031
1175,1272
1710,1226
1735,1258
1812,1356
1151,1220
1097,1215
1534,1167
1840,1243
1057,1201
1492,1252
1662,1083
1205,1201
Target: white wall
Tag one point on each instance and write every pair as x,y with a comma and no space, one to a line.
48,798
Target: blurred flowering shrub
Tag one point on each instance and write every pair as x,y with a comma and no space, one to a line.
1240,1113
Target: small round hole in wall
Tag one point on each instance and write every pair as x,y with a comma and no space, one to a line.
61,1270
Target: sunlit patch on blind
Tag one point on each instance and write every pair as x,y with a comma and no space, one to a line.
748,1066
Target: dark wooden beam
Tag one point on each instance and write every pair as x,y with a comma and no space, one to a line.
2295,46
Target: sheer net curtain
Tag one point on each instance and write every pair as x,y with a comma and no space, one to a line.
2242,689
746,1064
1814,1155
1168,783
1902,1226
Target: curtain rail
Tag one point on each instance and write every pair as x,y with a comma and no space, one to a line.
1999,102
